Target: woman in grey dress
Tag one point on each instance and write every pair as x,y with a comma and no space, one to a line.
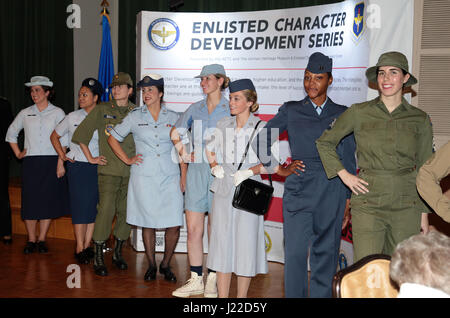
237,237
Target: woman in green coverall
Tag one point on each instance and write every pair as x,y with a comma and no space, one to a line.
393,140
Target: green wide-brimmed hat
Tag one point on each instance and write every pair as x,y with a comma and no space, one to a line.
121,78
396,59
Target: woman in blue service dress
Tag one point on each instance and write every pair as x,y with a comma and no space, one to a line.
237,242
44,188
155,199
81,175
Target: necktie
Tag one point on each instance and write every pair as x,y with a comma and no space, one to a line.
318,110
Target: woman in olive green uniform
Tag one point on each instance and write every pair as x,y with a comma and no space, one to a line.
113,174
393,140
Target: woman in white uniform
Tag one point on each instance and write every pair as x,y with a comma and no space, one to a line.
44,189
81,175
237,237
155,200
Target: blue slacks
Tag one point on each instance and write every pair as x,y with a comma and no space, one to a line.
314,227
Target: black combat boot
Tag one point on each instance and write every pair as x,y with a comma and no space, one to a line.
99,260
117,256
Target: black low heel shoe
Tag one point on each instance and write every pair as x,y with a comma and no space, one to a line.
168,275
81,257
150,274
7,241
29,248
42,247
89,252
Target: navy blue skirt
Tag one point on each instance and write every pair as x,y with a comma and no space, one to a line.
44,196
83,191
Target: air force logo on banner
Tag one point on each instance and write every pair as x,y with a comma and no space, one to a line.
358,21
163,33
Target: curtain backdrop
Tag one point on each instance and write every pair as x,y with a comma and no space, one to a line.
35,40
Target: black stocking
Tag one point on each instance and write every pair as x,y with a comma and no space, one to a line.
170,242
149,238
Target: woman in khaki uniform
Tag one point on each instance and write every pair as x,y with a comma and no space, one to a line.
393,140
113,174
428,181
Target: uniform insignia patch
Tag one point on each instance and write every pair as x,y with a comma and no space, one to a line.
108,129
332,123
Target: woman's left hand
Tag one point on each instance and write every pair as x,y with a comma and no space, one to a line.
137,160
424,224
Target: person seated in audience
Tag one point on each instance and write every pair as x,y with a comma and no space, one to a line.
420,266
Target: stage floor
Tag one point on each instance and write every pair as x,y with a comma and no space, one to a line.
48,275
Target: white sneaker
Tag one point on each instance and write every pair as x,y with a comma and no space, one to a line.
194,286
211,286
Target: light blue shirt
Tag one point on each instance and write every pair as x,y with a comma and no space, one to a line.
320,109
201,123
67,127
152,139
37,126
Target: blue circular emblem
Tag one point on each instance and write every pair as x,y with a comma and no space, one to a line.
163,33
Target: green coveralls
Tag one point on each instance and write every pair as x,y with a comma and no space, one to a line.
390,148
114,176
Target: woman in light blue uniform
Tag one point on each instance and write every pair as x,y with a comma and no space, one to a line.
155,199
44,189
237,242
81,175
201,118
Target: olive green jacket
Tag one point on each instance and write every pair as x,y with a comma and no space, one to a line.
103,118
396,143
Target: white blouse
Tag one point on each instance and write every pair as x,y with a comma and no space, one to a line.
67,127
37,126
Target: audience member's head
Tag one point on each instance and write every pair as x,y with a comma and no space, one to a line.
423,259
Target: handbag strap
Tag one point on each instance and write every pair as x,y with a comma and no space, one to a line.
248,146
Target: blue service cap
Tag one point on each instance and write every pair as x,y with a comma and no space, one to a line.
240,85
151,80
94,85
319,63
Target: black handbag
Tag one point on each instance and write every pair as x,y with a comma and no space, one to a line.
251,195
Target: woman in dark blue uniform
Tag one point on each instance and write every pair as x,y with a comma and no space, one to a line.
313,206
81,174
44,189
